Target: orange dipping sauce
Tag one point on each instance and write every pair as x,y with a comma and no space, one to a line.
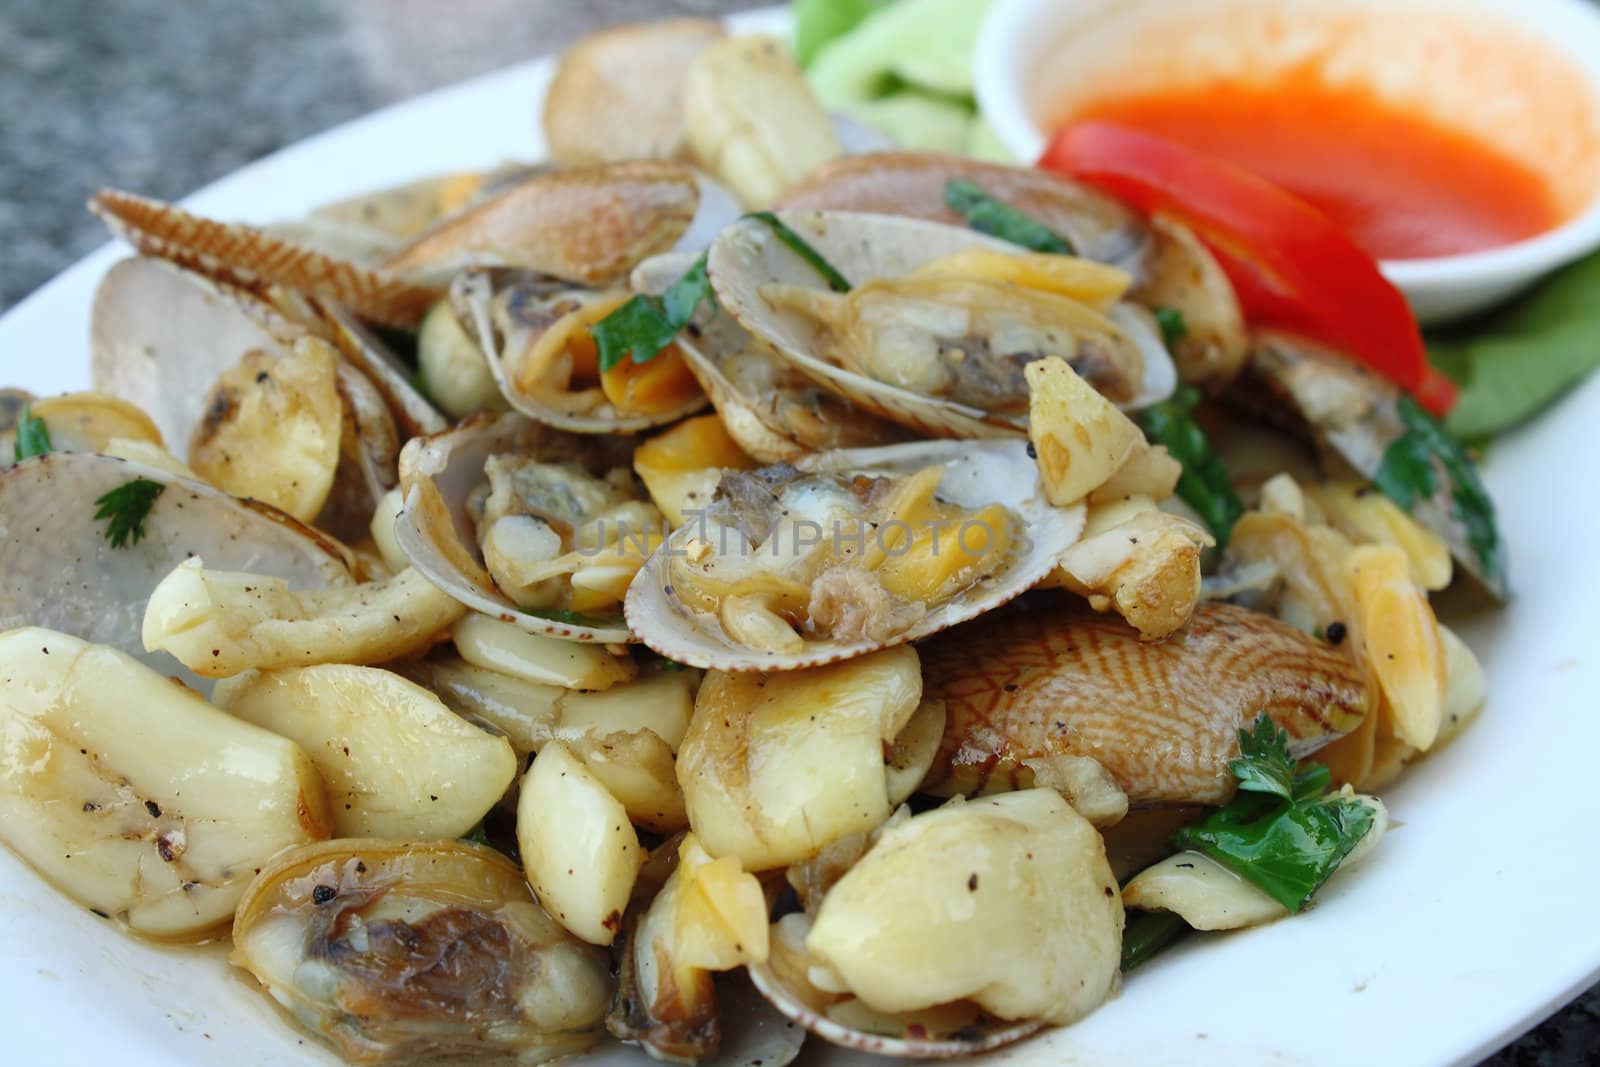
1400,184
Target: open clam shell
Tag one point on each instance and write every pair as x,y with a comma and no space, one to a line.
747,257
775,413
163,336
1357,415
913,184
160,336
508,312
413,413
58,569
245,255
976,474
782,980
435,528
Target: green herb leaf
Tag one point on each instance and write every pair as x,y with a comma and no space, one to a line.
1264,765
477,835
836,281
33,437
575,618
1410,472
1204,484
1148,934
1173,326
1286,836
126,507
1512,364
646,325
987,215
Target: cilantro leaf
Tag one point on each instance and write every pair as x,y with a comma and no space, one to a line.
33,436
1264,765
1174,327
987,215
574,618
1204,484
836,281
1410,472
126,507
1282,831
646,325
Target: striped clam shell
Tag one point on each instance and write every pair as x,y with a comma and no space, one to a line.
1050,678
247,256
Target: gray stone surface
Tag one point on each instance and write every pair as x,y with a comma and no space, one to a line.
162,96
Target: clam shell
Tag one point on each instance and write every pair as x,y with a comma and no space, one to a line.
913,184
750,420
59,571
160,336
414,414
977,473
472,293
1047,678
791,999
588,225
1354,412
747,257
248,256
433,529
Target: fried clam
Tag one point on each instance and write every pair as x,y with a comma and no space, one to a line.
156,819
527,524
707,916
913,184
1365,592
535,334
393,950
250,392
959,930
774,412
776,767
848,552
1049,680
1373,428
940,321
60,570
82,422
1170,267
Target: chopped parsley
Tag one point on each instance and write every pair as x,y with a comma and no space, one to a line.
1409,472
1283,831
1173,326
127,506
645,325
836,281
33,437
575,618
1204,484
987,215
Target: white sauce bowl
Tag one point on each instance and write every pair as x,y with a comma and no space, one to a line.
1523,76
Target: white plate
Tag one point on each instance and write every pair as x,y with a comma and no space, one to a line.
1472,921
